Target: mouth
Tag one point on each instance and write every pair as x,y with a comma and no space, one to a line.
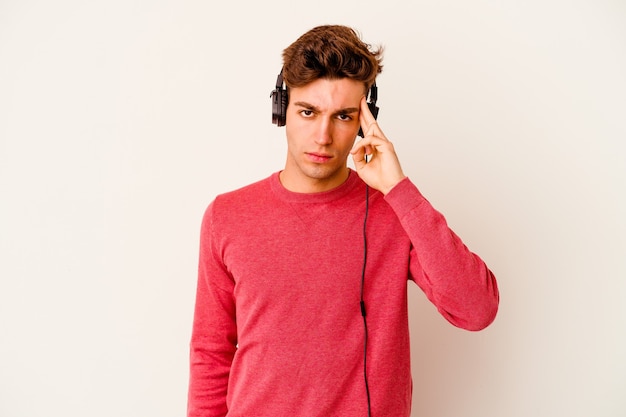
318,157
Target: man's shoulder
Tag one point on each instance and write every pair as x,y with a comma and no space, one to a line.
244,197
240,208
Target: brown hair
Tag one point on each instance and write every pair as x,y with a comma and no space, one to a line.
331,51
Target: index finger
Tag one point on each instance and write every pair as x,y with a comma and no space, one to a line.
366,118
369,125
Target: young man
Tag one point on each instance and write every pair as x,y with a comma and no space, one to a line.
301,305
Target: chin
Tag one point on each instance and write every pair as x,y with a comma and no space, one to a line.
324,173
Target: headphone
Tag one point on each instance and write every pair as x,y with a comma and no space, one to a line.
280,98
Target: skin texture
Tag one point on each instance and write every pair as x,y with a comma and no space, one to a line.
323,118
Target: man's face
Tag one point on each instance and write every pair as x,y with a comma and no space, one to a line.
322,123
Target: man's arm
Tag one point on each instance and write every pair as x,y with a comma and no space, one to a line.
214,332
453,278
456,280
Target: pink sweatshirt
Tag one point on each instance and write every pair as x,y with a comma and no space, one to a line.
278,329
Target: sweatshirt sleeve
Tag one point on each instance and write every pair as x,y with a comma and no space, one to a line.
454,279
214,330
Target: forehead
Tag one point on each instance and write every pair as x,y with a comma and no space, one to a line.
325,92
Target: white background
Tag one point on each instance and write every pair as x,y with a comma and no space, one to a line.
120,121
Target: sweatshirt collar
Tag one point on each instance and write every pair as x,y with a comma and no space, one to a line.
322,197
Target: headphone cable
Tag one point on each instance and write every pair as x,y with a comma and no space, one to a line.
363,312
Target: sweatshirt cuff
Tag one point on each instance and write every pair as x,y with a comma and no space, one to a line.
404,197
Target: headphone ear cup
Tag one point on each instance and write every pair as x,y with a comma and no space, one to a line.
280,97
279,106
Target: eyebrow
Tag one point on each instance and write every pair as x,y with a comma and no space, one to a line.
316,109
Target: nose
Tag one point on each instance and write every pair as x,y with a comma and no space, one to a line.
324,133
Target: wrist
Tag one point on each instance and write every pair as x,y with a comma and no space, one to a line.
387,190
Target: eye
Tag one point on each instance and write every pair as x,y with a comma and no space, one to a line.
306,113
344,117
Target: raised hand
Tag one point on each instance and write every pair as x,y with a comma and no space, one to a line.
374,156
